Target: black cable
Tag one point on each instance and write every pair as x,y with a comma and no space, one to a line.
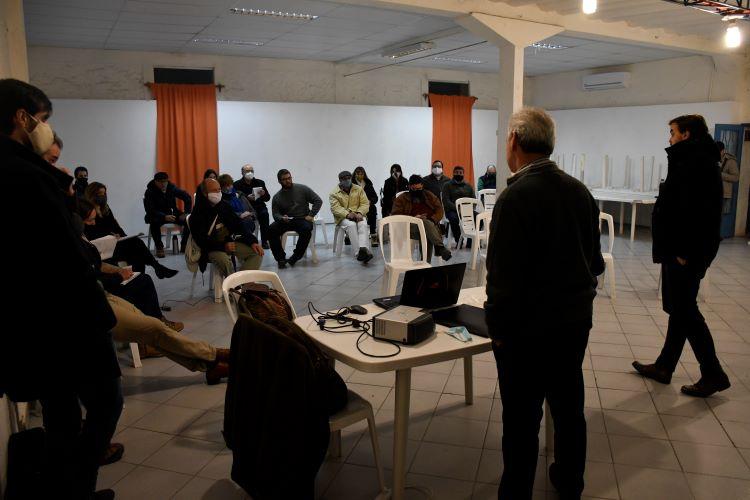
358,326
191,304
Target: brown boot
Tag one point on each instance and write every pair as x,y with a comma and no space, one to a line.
174,325
222,355
147,351
217,372
160,253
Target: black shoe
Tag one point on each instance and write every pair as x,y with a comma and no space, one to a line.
113,454
293,260
282,263
103,495
163,271
704,388
368,257
445,254
361,254
265,245
347,241
653,372
554,478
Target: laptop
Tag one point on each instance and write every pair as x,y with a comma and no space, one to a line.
436,289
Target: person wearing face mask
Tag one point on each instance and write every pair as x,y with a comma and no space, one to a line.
255,191
349,204
393,185
239,203
488,180
219,233
30,363
160,202
436,180
452,191
208,174
361,179
131,250
424,205
81,175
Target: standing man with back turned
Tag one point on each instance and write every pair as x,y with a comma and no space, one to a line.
686,226
542,262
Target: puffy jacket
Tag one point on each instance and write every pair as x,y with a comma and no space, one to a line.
403,205
342,203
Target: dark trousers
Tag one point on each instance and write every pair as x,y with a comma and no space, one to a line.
372,219
277,229
263,221
135,252
75,447
140,292
155,229
533,366
680,286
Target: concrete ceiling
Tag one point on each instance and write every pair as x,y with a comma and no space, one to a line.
342,32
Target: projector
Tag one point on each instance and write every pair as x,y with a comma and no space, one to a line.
404,324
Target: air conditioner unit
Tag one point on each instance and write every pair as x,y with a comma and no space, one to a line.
606,81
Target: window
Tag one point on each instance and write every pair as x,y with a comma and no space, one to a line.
182,75
449,88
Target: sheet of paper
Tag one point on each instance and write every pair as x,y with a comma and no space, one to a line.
106,246
135,275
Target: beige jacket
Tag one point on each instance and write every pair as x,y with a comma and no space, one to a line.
730,173
342,203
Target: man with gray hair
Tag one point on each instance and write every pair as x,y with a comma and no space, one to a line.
542,261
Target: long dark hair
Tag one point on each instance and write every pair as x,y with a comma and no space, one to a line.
360,168
90,194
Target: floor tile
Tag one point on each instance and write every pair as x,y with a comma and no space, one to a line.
712,460
640,483
443,460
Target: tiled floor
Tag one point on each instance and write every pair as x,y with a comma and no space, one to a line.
646,440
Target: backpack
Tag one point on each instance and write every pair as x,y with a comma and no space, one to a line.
262,302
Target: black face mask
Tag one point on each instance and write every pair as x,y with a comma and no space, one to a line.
100,200
491,175
417,193
458,178
82,181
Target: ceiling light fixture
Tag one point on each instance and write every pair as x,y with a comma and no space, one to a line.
548,46
733,36
458,60
407,50
273,13
588,6
226,41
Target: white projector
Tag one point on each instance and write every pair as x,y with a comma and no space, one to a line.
404,324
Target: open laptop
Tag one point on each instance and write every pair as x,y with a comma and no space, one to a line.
436,289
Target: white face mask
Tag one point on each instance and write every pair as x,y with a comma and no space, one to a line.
41,137
437,170
249,176
214,198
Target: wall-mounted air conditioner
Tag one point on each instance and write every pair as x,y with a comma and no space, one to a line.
606,81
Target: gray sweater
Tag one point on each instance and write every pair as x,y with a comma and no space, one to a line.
294,202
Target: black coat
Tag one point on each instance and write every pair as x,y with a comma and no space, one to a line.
158,205
390,188
247,189
200,222
105,226
544,252
686,220
435,185
274,421
372,196
59,335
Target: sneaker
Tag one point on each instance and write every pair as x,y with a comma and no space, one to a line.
174,325
653,372
704,388
160,253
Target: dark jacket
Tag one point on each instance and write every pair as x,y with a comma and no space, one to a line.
686,220
544,252
454,190
487,182
105,225
435,184
200,222
372,196
62,314
274,421
243,187
390,188
403,205
158,205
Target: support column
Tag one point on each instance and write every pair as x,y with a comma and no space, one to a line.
13,59
511,36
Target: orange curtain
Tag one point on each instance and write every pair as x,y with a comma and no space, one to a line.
187,137
451,133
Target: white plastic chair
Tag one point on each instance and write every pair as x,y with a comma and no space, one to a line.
241,277
487,199
401,253
399,194
171,231
483,237
466,208
310,246
214,276
318,221
609,260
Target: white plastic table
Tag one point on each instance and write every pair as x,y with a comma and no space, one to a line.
441,347
624,196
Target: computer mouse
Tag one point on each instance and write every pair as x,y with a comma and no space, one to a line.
357,310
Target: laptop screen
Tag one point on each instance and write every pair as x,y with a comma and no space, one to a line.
432,287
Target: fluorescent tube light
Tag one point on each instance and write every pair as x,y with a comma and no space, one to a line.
273,13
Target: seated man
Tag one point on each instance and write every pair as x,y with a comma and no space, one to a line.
160,202
294,209
423,205
239,203
250,186
349,205
452,191
219,233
